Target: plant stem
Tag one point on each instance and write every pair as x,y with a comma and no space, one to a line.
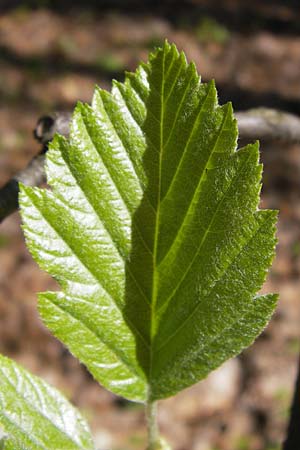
153,435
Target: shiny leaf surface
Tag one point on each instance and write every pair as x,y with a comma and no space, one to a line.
153,231
35,415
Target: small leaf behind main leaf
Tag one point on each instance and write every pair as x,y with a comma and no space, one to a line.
35,415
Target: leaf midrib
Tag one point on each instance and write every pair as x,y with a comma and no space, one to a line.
156,230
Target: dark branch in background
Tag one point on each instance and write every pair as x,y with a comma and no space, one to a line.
47,126
267,125
33,174
261,123
293,433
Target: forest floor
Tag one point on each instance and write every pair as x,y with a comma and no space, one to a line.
48,62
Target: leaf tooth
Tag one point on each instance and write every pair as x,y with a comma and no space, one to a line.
114,292
66,326
80,265
174,240
242,173
175,73
135,105
139,82
105,105
128,110
228,342
133,140
94,178
171,60
76,193
92,224
122,181
103,135
205,104
215,338
190,83
264,219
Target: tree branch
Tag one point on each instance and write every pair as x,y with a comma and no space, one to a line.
47,126
33,174
292,441
264,124
267,125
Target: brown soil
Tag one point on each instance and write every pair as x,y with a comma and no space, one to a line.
48,62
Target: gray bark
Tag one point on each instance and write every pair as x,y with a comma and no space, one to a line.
264,124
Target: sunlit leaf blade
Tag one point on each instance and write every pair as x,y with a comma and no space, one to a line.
35,415
11,444
153,231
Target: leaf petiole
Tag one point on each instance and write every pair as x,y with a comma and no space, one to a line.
153,433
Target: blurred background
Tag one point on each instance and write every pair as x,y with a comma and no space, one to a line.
52,53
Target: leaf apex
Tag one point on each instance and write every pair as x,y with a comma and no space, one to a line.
167,46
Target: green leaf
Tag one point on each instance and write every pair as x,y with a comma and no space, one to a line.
153,231
10,443
35,415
